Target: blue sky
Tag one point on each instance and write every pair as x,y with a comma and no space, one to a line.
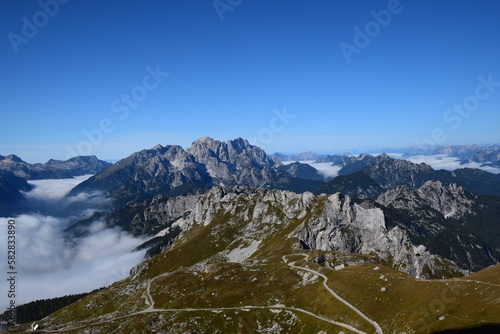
65,86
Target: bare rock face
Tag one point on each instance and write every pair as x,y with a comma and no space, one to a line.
389,172
331,223
348,227
449,220
452,201
432,203
159,216
234,162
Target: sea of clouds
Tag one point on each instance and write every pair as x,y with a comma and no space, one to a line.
441,161
49,264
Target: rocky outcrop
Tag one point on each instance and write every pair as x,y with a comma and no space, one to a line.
447,219
245,217
234,162
451,202
348,227
157,217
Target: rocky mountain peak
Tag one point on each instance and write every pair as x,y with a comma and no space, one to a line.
206,148
11,158
452,201
232,161
157,147
386,161
363,156
171,170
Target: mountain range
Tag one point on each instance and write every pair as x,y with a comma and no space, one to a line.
430,205
238,240
15,174
483,155
171,170
52,169
387,172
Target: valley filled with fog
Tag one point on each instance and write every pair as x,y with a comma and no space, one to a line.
442,161
52,263
437,161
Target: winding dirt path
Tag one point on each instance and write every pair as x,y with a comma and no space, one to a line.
325,280
151,307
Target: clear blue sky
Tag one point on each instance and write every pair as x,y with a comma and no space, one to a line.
227,78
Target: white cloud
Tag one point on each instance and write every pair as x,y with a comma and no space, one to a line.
50,265
53,190
441,161
326,169
48,197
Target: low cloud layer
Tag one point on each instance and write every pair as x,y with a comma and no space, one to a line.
52,191
51,265
441,161
49,196
326,169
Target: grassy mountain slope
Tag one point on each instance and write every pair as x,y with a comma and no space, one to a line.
233,273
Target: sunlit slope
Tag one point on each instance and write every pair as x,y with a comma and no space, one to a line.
242,269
